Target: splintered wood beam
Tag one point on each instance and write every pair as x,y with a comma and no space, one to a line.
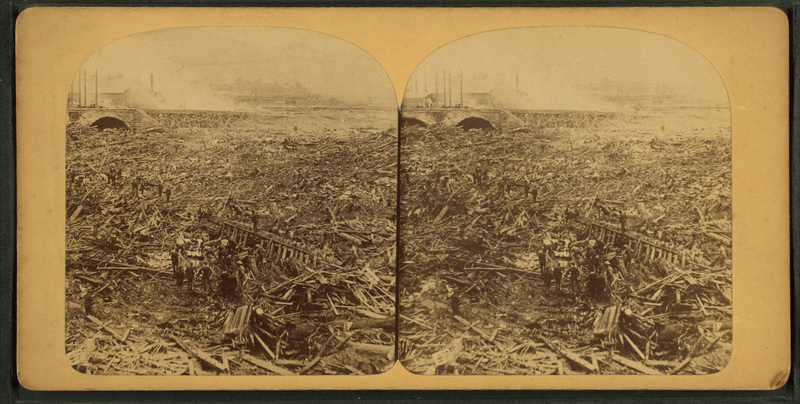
268,366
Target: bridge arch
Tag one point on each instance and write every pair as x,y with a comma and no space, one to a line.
409,122
109,122
475,123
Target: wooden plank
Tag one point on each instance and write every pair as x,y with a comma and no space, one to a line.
268,366
570,355
469,326
103,326
635,348
200,355
263,345
635,365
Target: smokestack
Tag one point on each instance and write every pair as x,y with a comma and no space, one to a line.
85,95
444,88
450,85
151,82
437,86
425,85
79,88
96,103
461,87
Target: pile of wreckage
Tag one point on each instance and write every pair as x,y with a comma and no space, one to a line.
323,303
480,204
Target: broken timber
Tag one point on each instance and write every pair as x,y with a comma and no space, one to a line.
200,355
275,247
643,249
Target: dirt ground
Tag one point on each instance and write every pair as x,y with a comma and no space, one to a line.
323,179
469,247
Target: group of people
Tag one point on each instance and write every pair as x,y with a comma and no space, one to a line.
195,262
139,186
599,262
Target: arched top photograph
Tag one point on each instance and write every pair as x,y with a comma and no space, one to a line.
230,198
566,207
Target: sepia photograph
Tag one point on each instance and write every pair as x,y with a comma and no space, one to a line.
565,207
389,195
231,204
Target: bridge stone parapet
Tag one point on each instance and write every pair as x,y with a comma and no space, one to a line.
131,118
505,119
498,118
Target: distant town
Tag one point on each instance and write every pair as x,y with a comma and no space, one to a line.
92,90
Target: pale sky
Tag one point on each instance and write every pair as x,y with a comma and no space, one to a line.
185,61
553,63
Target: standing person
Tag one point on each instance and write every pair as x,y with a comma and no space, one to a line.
547,278
179,276
189,277
111,177
205,275
88,301
174,255
574,273
255,220
542,259
160,189
135,187
251,262
628,254
223,283
223,254
259,255
591,256
592,285
601,247
557,274
534,194
575,253
168,192
608,273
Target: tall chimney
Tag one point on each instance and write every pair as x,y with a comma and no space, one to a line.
425,85
450,85
85,94
437,86
79,88
96,103
151,82
444,88
461,87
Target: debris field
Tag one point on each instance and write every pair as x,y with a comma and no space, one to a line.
294,219
496,274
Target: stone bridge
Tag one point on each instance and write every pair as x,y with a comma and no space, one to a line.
117,118
504,119
464,117
130,118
